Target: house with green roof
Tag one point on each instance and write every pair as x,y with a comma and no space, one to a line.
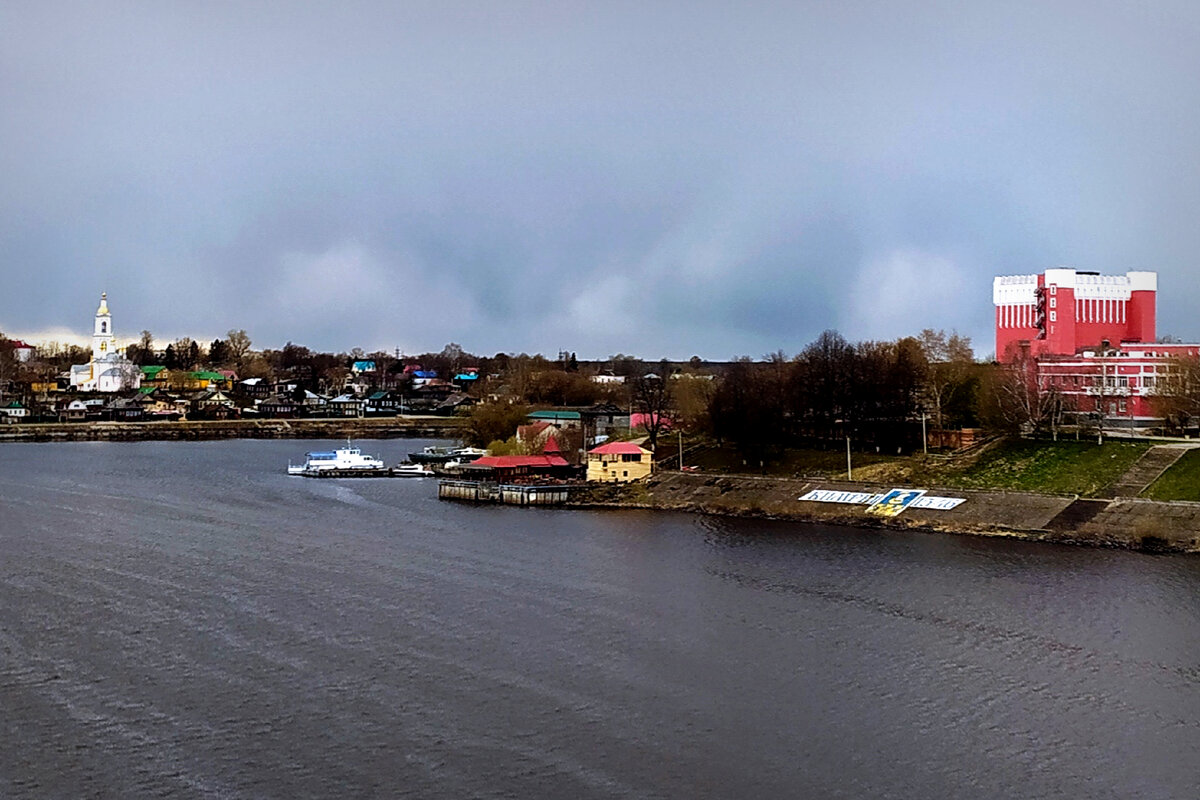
13,411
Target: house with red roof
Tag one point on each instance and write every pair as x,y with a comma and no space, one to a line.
21,351
619,462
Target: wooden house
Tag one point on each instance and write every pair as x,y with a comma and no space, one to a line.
619,462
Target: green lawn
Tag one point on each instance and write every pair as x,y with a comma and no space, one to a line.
1180,482
1069,467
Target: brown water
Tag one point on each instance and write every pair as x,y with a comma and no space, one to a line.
184,620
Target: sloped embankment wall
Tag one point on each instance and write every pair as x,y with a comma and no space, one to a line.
1140,524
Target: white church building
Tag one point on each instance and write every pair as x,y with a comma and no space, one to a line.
109,370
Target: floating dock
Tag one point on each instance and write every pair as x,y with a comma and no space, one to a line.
508,494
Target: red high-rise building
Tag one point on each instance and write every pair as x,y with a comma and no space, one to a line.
1091,337
1063,311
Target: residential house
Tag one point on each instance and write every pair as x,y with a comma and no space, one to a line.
74,411
155,377
453,404
532,437
619,462
256,388
314,405
197,380
13,412
158,405
467,377
384,404
347,405
279,407
127,409
21,351
421,377
213,404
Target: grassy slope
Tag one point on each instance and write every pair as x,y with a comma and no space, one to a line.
1065,467
1070,467
1180,482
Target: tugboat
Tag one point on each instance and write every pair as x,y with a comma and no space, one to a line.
342,458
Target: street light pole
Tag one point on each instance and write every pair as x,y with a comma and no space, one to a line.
924,436
849,469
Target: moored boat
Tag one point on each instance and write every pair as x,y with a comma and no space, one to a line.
342,458
441,455
432,455
412,471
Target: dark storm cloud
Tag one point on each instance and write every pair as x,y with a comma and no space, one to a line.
679,178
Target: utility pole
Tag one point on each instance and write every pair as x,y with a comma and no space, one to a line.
849,470
681,451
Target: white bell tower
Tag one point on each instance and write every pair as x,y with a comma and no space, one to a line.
102,333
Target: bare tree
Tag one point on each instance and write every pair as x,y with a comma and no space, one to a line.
950,359
1177,392
8,363
652,397
1019,400
239,346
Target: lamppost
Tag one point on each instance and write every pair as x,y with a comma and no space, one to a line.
849,469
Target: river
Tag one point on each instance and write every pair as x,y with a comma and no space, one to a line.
185,620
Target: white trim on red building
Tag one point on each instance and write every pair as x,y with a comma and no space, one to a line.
1091,336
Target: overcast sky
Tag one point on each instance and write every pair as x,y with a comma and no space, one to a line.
655,178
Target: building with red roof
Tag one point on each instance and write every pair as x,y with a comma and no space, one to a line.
619,462
507,468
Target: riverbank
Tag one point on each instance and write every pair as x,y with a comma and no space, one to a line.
352,428
1128,523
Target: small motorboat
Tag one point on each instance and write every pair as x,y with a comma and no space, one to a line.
412,471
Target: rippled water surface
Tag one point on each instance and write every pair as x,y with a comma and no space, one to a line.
185,620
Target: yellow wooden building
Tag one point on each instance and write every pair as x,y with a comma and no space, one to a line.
619,462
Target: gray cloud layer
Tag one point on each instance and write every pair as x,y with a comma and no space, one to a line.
666,178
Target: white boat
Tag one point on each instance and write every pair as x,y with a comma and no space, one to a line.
412,470
348,457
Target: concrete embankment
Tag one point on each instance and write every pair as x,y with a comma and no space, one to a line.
1121,522
352,428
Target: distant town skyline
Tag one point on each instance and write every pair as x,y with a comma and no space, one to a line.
670,179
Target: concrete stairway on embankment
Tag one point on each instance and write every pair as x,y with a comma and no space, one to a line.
1147,469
